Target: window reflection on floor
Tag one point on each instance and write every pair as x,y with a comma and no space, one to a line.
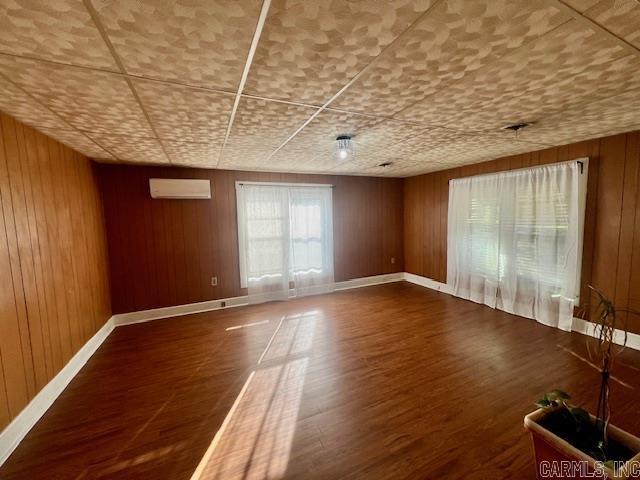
255,439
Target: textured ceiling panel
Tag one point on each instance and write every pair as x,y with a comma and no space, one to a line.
569,66
199,42
184,113
260,126
78,141
460,108
388,141
621,17
89,100
193,154
312,148
605,117
56,30
457,37
438,78
423,148
132,149
465,149
17,103
310,49
580,5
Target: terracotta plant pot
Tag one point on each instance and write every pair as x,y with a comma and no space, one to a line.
558,459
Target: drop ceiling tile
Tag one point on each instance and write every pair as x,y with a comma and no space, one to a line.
620,17
569,66
89,100
442,148
203,155
312,148
384,132
77,141
18,104
309,49
471,149
199,42
183,113
610,116
580,5
260,126
455,38
392,141
60,31
409,169
270,121
132,149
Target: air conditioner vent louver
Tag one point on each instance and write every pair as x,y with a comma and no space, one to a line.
179,188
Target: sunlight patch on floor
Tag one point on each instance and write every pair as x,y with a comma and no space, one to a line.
593,365
255,439
252,324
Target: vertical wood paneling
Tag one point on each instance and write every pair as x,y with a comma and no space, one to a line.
611,250
18,332
166,251
29,256
609,213
53,266
634,276
626,288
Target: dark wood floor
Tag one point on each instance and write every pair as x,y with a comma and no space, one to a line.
392,381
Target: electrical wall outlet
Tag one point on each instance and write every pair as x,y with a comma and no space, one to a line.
214,281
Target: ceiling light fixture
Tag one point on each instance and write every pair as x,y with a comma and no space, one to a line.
344,148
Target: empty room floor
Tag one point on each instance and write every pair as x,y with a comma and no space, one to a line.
390,381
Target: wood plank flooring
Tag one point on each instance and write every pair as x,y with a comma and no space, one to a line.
393,381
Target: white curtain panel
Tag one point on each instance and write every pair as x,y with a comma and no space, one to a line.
515,240
285,237
311,229
263,221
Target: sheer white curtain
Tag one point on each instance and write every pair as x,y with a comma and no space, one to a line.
311,228
263,234
285,237
515,240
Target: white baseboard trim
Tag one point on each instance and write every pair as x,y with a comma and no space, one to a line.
588,328
13,434
369,281
189,308
579,325
177,310
427,282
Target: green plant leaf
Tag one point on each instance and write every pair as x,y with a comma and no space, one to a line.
580,414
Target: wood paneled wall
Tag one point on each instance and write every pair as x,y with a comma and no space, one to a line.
53,267
164,252
611,259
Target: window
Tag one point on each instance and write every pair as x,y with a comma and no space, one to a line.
515,240
285,238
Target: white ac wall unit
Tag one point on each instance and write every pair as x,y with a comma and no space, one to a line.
180,188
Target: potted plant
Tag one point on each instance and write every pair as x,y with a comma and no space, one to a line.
570,443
